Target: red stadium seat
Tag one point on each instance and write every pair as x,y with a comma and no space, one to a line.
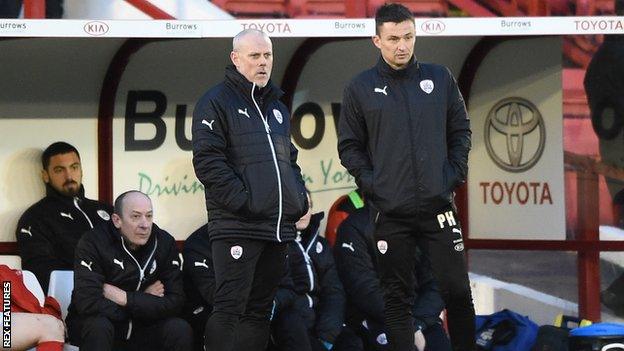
433,8
254,8
317,8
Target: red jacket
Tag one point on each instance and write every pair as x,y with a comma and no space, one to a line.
22,300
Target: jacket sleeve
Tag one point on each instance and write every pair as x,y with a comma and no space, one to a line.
352,142
89,281
458,132
203,277
148,307
36,250
286,294
332,298
210,162
428,303
357,272
297,171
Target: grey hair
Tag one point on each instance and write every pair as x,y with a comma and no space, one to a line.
237,39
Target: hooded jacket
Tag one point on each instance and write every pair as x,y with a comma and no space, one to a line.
405,136
102,256
48,232
357,268
243,155
315,280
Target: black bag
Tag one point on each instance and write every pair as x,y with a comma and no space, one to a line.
551,338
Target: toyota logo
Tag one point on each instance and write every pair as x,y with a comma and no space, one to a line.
515,135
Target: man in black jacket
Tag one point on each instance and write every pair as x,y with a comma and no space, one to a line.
357,267
243,156
128,284
47,233
404,135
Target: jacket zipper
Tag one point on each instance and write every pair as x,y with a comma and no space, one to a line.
141,274
83,213
307,259
279,178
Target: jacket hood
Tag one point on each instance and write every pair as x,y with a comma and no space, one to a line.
315,223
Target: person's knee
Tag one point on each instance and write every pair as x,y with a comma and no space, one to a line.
100,326
179,329
53,328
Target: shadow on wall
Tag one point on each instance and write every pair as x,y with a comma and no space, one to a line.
21,184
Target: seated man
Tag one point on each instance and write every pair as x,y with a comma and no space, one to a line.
355,260
47,233
319,297
199,286
128,284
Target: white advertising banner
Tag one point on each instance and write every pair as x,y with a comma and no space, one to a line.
515,186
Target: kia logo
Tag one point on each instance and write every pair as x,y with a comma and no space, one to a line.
96,28
433,27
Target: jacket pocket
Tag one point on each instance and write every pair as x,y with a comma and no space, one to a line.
295,203
261,183
450,176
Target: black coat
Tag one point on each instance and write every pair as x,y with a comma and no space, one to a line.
103,257
405,136
241,137
357,267
315,281
48,232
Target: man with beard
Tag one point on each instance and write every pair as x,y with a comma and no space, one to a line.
47,233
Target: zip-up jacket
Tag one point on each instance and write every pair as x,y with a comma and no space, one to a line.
357,268
102,256
48,232
243,155
199,276
315,279
405,136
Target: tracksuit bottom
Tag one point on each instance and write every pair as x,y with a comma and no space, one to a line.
247,273
438,235
98,333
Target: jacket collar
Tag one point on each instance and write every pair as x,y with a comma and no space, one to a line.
315,223
384,69
237,81
51,192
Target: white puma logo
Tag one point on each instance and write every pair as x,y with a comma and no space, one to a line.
209,124
243,112
83,263
68,215
26,231
175,263
458,231
348,246
383,91
119,263
201,264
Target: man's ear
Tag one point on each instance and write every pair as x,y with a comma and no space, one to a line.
377,41
45,176
116,220
234,57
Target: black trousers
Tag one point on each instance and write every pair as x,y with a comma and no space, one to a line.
438,235
100,334
247,273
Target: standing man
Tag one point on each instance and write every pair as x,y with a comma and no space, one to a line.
48,232
128,284
243,156
405,135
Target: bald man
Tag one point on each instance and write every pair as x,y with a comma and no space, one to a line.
243,156
128,284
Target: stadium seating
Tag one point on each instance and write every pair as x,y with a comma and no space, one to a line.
33,285
254,8
430,8
317,8
61,286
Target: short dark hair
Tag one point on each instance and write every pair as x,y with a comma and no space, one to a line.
119,201
57,148
395,13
